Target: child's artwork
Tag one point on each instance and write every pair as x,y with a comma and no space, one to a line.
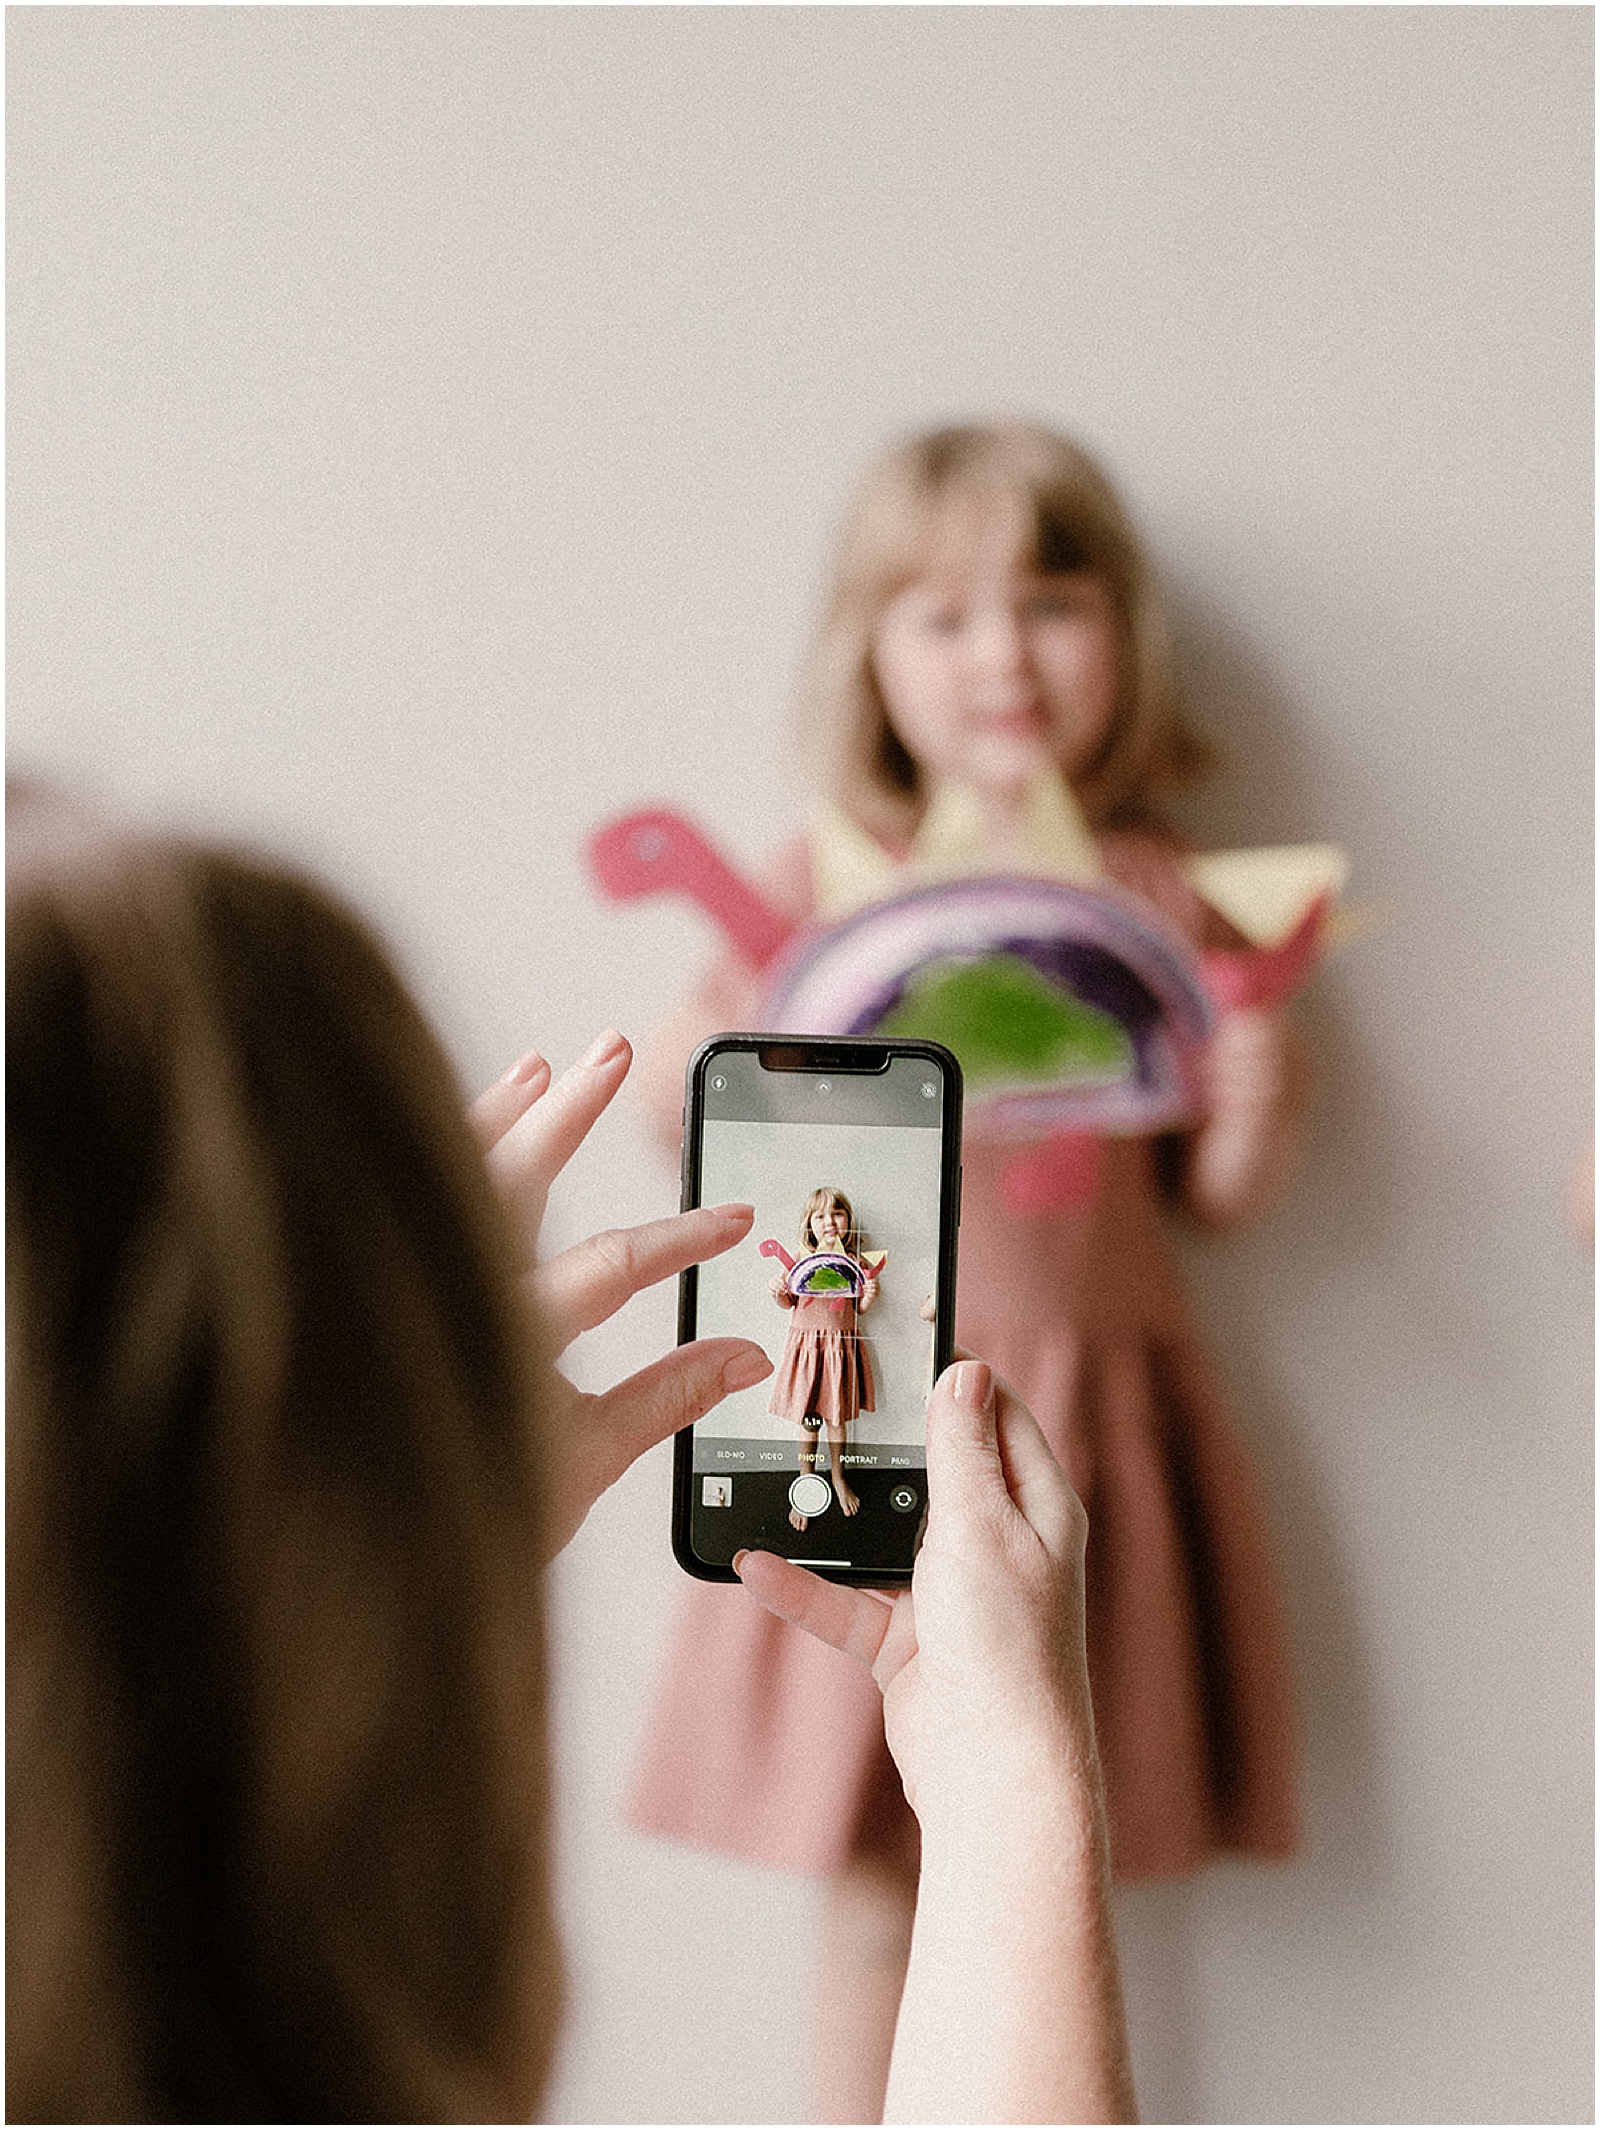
824,1271
1075,1010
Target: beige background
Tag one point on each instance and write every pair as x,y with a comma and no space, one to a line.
424,430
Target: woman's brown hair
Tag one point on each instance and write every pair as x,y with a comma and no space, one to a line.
276,1758
917,506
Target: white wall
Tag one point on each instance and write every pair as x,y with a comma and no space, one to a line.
425,426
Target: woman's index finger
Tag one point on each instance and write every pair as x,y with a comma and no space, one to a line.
529,1157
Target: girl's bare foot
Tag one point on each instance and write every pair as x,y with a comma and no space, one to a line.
800,1522
849,1499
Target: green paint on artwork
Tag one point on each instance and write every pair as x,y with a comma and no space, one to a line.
1007,1023
827,1279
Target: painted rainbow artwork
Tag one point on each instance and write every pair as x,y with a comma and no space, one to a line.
827,1272
1069,1008
1077,1012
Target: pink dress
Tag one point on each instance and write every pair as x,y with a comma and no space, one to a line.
825,1372
766,1744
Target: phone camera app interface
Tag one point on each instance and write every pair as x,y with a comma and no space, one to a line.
824,1462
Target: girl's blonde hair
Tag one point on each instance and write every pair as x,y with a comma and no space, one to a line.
276,1763
819,1202
919,505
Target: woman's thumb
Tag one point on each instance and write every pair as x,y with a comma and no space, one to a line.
963,1444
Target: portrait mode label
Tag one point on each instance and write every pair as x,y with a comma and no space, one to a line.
720,1453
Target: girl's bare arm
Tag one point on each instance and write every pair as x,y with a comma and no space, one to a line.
1243,1157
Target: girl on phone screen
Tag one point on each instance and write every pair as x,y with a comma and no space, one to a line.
825,1376
992,631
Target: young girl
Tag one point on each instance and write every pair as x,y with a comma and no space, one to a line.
825,1376
992,622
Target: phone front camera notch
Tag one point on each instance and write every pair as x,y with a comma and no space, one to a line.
783,1057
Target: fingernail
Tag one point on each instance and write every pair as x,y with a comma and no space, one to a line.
527,1069
743,1554
974,1385
731,1213
746,1369
604,1048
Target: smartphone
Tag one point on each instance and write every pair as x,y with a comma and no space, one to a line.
850,1151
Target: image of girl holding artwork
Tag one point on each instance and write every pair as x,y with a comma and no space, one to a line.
824,1378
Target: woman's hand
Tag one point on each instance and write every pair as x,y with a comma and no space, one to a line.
1012,2010
1243,1157
984,1655
529,1127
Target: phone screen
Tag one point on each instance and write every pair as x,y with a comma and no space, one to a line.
849,1152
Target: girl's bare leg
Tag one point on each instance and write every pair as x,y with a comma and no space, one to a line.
866,1941
849,1499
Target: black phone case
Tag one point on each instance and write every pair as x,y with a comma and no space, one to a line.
822,1053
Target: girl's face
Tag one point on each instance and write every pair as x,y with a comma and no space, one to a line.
993,671
830,1227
